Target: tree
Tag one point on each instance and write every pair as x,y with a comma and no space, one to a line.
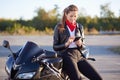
6,23
45,18
106,12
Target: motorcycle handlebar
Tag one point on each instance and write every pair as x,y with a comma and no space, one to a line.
44,55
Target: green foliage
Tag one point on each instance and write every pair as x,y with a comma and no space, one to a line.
45,18
20,30
5,23
106,12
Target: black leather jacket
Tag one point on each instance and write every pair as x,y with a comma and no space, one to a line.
60,38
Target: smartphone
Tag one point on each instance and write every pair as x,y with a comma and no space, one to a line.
76,38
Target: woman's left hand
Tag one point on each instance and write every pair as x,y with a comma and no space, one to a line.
79,42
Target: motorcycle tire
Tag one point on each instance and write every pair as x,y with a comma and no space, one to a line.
47,74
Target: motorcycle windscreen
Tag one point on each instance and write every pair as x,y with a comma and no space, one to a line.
28,52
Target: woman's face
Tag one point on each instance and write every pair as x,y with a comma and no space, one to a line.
72,16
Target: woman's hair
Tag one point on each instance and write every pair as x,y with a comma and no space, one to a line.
66,11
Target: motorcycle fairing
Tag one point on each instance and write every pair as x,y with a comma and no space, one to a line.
29,67
28,52
9,64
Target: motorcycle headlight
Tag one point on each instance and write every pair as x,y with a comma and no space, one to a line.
26,75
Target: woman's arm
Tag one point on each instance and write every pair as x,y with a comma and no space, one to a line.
82,35
57,46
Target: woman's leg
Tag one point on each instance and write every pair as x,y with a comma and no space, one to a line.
71,68
87,70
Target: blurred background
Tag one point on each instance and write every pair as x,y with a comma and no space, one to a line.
38,17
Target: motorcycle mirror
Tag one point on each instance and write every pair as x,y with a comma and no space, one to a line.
6,44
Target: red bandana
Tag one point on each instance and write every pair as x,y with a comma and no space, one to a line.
70,25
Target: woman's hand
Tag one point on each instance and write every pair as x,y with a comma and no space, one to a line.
70,40
79,42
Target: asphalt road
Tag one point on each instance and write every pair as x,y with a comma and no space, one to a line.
107,63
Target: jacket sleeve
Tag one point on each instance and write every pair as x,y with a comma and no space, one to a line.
83,35
57,46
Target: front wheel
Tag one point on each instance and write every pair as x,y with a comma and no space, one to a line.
47,74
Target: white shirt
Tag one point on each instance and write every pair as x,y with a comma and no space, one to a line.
72,33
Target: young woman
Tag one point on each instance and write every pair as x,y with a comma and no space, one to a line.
64,35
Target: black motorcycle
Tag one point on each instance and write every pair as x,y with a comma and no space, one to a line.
31,62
